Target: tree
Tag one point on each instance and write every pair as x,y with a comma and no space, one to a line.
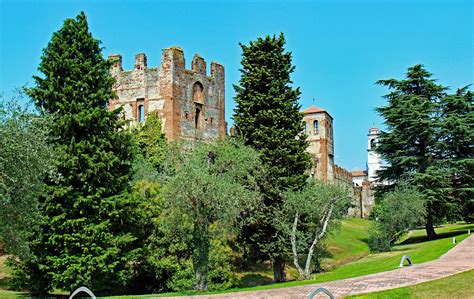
25,159
213,182
307,216
400,211
151,141
267,117
410,143
456,136
86,234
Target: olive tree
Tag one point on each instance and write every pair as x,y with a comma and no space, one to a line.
398,212
209,183
25,158
307,216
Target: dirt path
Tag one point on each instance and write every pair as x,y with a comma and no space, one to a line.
457,260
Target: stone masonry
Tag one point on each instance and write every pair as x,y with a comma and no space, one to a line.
190,103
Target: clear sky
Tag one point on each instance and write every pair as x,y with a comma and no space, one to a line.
340,48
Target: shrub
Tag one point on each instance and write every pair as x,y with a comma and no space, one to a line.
399,211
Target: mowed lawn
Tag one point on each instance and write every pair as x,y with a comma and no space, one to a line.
455,286
349,256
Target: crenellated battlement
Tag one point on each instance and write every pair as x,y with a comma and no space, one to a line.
172,56
190,102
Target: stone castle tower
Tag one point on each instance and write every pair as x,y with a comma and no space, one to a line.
319,129
190,103
373,158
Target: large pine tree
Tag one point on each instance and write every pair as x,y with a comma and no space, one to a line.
85,237
267,117
456,147
410,143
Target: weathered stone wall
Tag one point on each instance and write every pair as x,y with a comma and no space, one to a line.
363,201
190,103
342,176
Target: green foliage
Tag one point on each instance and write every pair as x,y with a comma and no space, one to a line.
25,159
211,182
86,236
428,141
306,218
457,138
267,117
151,141
399,211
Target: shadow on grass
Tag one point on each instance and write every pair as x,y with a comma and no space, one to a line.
443,235
253,279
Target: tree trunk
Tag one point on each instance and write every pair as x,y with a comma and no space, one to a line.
201,258
430,232
279,269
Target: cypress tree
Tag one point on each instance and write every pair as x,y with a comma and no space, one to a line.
85,237
267,117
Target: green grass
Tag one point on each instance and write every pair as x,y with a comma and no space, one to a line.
455,286
344,245
348,243
348,249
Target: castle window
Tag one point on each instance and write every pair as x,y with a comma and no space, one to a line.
197,116
198,93
141,113
315,127
305,129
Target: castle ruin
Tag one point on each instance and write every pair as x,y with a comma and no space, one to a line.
190,103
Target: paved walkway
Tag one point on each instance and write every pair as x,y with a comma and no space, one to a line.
457,260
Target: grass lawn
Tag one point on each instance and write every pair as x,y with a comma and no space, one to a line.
456,286
350,256
345,245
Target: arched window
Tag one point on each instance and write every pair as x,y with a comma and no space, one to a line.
315,127
141,113
198,93
305,129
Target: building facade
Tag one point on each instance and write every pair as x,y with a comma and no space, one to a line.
373,158
190,103
318,126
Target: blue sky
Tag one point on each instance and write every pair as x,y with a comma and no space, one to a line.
340,47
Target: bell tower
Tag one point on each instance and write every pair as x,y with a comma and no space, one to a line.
373,158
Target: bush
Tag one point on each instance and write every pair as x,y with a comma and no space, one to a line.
378,241
398,212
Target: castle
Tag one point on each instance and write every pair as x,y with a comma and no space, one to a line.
190,103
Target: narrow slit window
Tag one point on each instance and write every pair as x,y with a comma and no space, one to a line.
141,113
197,116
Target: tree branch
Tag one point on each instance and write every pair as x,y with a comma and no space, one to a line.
293,245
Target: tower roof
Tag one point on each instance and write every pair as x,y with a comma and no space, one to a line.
314,109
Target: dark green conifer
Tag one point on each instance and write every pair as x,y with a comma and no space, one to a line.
456,148
410,143
85,237
267,117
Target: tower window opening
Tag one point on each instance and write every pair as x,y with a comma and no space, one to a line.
315,127
197,115
141,113
373,143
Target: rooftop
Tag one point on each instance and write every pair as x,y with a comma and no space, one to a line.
314,109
